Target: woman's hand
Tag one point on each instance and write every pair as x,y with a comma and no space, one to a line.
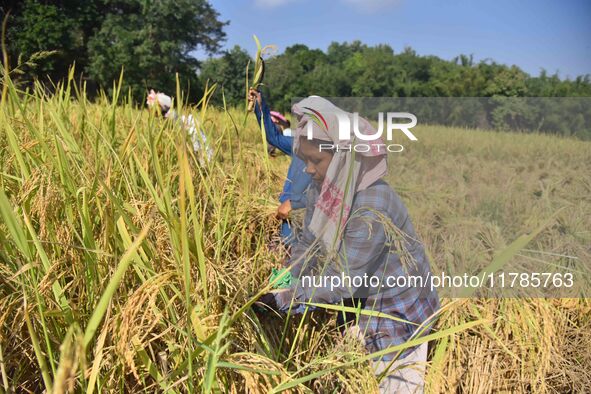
253,95
277,301
284,210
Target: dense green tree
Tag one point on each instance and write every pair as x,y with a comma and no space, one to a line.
229,72
152,40
60,26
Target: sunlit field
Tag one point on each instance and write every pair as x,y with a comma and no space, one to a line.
129,265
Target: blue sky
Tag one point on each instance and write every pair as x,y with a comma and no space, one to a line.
533,34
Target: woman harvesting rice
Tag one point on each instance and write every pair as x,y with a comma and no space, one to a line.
292,196
163,103
357,226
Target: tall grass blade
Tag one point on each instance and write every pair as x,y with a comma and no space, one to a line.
103,303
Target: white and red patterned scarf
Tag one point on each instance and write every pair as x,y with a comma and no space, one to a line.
347,173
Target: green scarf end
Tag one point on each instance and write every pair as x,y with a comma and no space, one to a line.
285,280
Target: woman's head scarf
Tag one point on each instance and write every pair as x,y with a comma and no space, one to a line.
348,172
163,101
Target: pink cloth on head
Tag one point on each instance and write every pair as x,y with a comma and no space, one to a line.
278,115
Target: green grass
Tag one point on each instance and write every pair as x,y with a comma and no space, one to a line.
126,266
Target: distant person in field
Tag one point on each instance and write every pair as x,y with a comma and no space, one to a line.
164,104
357,226
279,136
282,123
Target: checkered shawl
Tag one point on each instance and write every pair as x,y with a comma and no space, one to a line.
368,248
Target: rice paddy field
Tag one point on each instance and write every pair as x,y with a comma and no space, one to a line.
127,265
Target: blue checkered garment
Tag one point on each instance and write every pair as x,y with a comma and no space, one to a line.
369,247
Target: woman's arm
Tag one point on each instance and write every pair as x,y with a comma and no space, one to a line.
362,253
378,218
272,132
296,184
302,256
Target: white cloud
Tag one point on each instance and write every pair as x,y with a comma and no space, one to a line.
373,5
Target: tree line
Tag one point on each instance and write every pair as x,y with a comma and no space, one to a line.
505,97
153,40
356,69
150,40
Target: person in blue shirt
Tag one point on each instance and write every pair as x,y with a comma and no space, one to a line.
294,187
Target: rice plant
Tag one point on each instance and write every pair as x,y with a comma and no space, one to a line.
130,266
